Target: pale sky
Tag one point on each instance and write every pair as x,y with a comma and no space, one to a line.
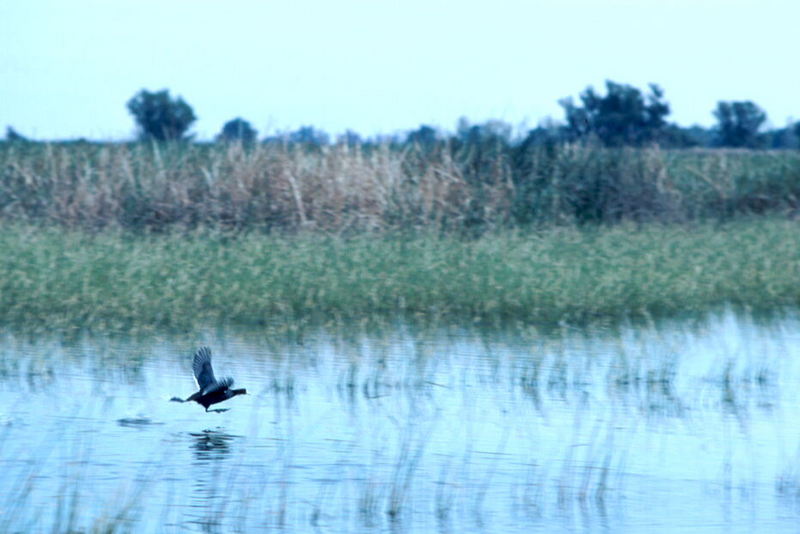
68,67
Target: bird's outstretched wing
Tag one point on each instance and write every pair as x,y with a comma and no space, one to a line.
201,365
222,383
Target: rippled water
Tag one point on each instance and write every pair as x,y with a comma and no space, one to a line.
689,425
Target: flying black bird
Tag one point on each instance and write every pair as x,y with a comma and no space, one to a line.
211,390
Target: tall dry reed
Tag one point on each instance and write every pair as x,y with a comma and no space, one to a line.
344,188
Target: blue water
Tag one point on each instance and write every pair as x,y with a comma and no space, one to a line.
679,425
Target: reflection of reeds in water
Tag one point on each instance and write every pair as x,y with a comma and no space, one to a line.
447,434
404,470
66,510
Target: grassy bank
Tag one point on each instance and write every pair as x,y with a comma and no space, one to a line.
59,279
469,188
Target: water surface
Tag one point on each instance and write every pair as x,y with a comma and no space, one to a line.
676,425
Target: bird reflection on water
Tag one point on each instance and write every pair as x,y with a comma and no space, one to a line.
211,477
212,444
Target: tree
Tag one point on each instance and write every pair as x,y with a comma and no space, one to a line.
239,130
624,116
160,116
697,135
13,136
781,138
480,150
547,133
739,123
425,137
349,138
309,136
493,131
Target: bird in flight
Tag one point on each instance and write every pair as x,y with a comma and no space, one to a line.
211,391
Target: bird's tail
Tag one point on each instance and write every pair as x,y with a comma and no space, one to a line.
176,399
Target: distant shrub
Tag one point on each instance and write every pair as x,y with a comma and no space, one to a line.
623,117
159,116
739,124
239,130
13,136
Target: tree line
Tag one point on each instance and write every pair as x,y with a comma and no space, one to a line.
623,116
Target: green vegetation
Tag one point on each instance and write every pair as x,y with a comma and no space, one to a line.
475,184
739,124
159,116
239,130
174,234
624,116
49,276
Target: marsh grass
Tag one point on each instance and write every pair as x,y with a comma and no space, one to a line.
466,188
117,279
